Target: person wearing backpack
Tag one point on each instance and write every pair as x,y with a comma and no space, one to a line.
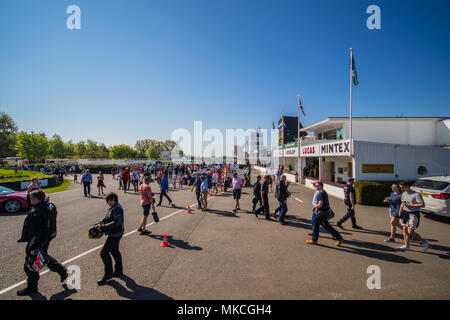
38,230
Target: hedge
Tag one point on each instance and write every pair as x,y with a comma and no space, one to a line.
373,192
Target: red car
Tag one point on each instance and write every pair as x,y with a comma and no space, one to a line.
14,201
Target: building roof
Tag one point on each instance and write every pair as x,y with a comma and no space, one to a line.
334,122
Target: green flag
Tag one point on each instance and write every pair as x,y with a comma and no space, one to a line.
354,75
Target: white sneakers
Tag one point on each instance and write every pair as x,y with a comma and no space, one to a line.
405,248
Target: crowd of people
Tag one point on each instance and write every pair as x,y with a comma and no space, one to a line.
404,206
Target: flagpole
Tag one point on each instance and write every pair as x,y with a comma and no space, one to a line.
351,88
298,142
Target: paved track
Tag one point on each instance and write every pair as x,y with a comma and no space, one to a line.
220,255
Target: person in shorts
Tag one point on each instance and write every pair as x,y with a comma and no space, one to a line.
146,202
409,214
237,186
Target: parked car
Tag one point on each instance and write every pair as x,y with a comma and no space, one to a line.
435,192
14,201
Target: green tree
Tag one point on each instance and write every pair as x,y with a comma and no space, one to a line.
80,148
69,148
143,145
153,153
122,151
32,146
57,148
8,135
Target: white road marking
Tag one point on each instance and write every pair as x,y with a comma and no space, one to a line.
89,251
299,200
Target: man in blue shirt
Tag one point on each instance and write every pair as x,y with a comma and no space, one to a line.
197,184
86,180
164,189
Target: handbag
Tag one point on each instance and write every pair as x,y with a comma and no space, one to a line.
155,217
330,214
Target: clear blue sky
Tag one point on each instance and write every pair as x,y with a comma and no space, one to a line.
141,68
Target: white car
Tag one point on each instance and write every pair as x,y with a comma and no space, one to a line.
435,192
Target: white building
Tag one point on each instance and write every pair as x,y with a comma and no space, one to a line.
383,149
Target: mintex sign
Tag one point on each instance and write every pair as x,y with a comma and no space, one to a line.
337,148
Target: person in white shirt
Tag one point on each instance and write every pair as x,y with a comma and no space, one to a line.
215,181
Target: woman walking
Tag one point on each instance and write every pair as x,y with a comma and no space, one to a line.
100,182
394,200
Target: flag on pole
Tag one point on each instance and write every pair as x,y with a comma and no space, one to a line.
354,75
301,107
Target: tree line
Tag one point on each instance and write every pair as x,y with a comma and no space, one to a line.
37,146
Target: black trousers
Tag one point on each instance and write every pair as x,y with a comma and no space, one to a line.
125,185
53,265
87,188
264,208
163,194
258,199
111,247
197,193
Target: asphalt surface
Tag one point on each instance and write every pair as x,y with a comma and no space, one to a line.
222,255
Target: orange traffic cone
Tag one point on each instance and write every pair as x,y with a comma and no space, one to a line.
165,243
189,210
210,193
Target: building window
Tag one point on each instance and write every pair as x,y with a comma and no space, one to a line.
340,134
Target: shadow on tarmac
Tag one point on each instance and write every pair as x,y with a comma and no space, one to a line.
224,213
372,254
63,294
174,242
133,291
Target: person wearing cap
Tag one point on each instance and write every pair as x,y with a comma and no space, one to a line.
350,202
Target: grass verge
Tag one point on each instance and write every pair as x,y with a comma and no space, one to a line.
62,187
10,175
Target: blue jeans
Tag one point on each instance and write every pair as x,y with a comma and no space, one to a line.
283,210
349,215
313,219
322,221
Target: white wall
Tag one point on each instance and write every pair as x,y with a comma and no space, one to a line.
443,132
402,131
406,160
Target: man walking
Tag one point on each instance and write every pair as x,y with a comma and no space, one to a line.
410,215
113,226
37,233
86,180
257,193
322,210
164,189
281,194
197,185
204,193
265,198
350,202
146,202
125,179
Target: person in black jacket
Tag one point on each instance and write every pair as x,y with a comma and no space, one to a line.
350,202
265,198
36,233
281,194
257,193
113,226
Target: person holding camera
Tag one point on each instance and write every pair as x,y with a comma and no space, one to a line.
113,226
